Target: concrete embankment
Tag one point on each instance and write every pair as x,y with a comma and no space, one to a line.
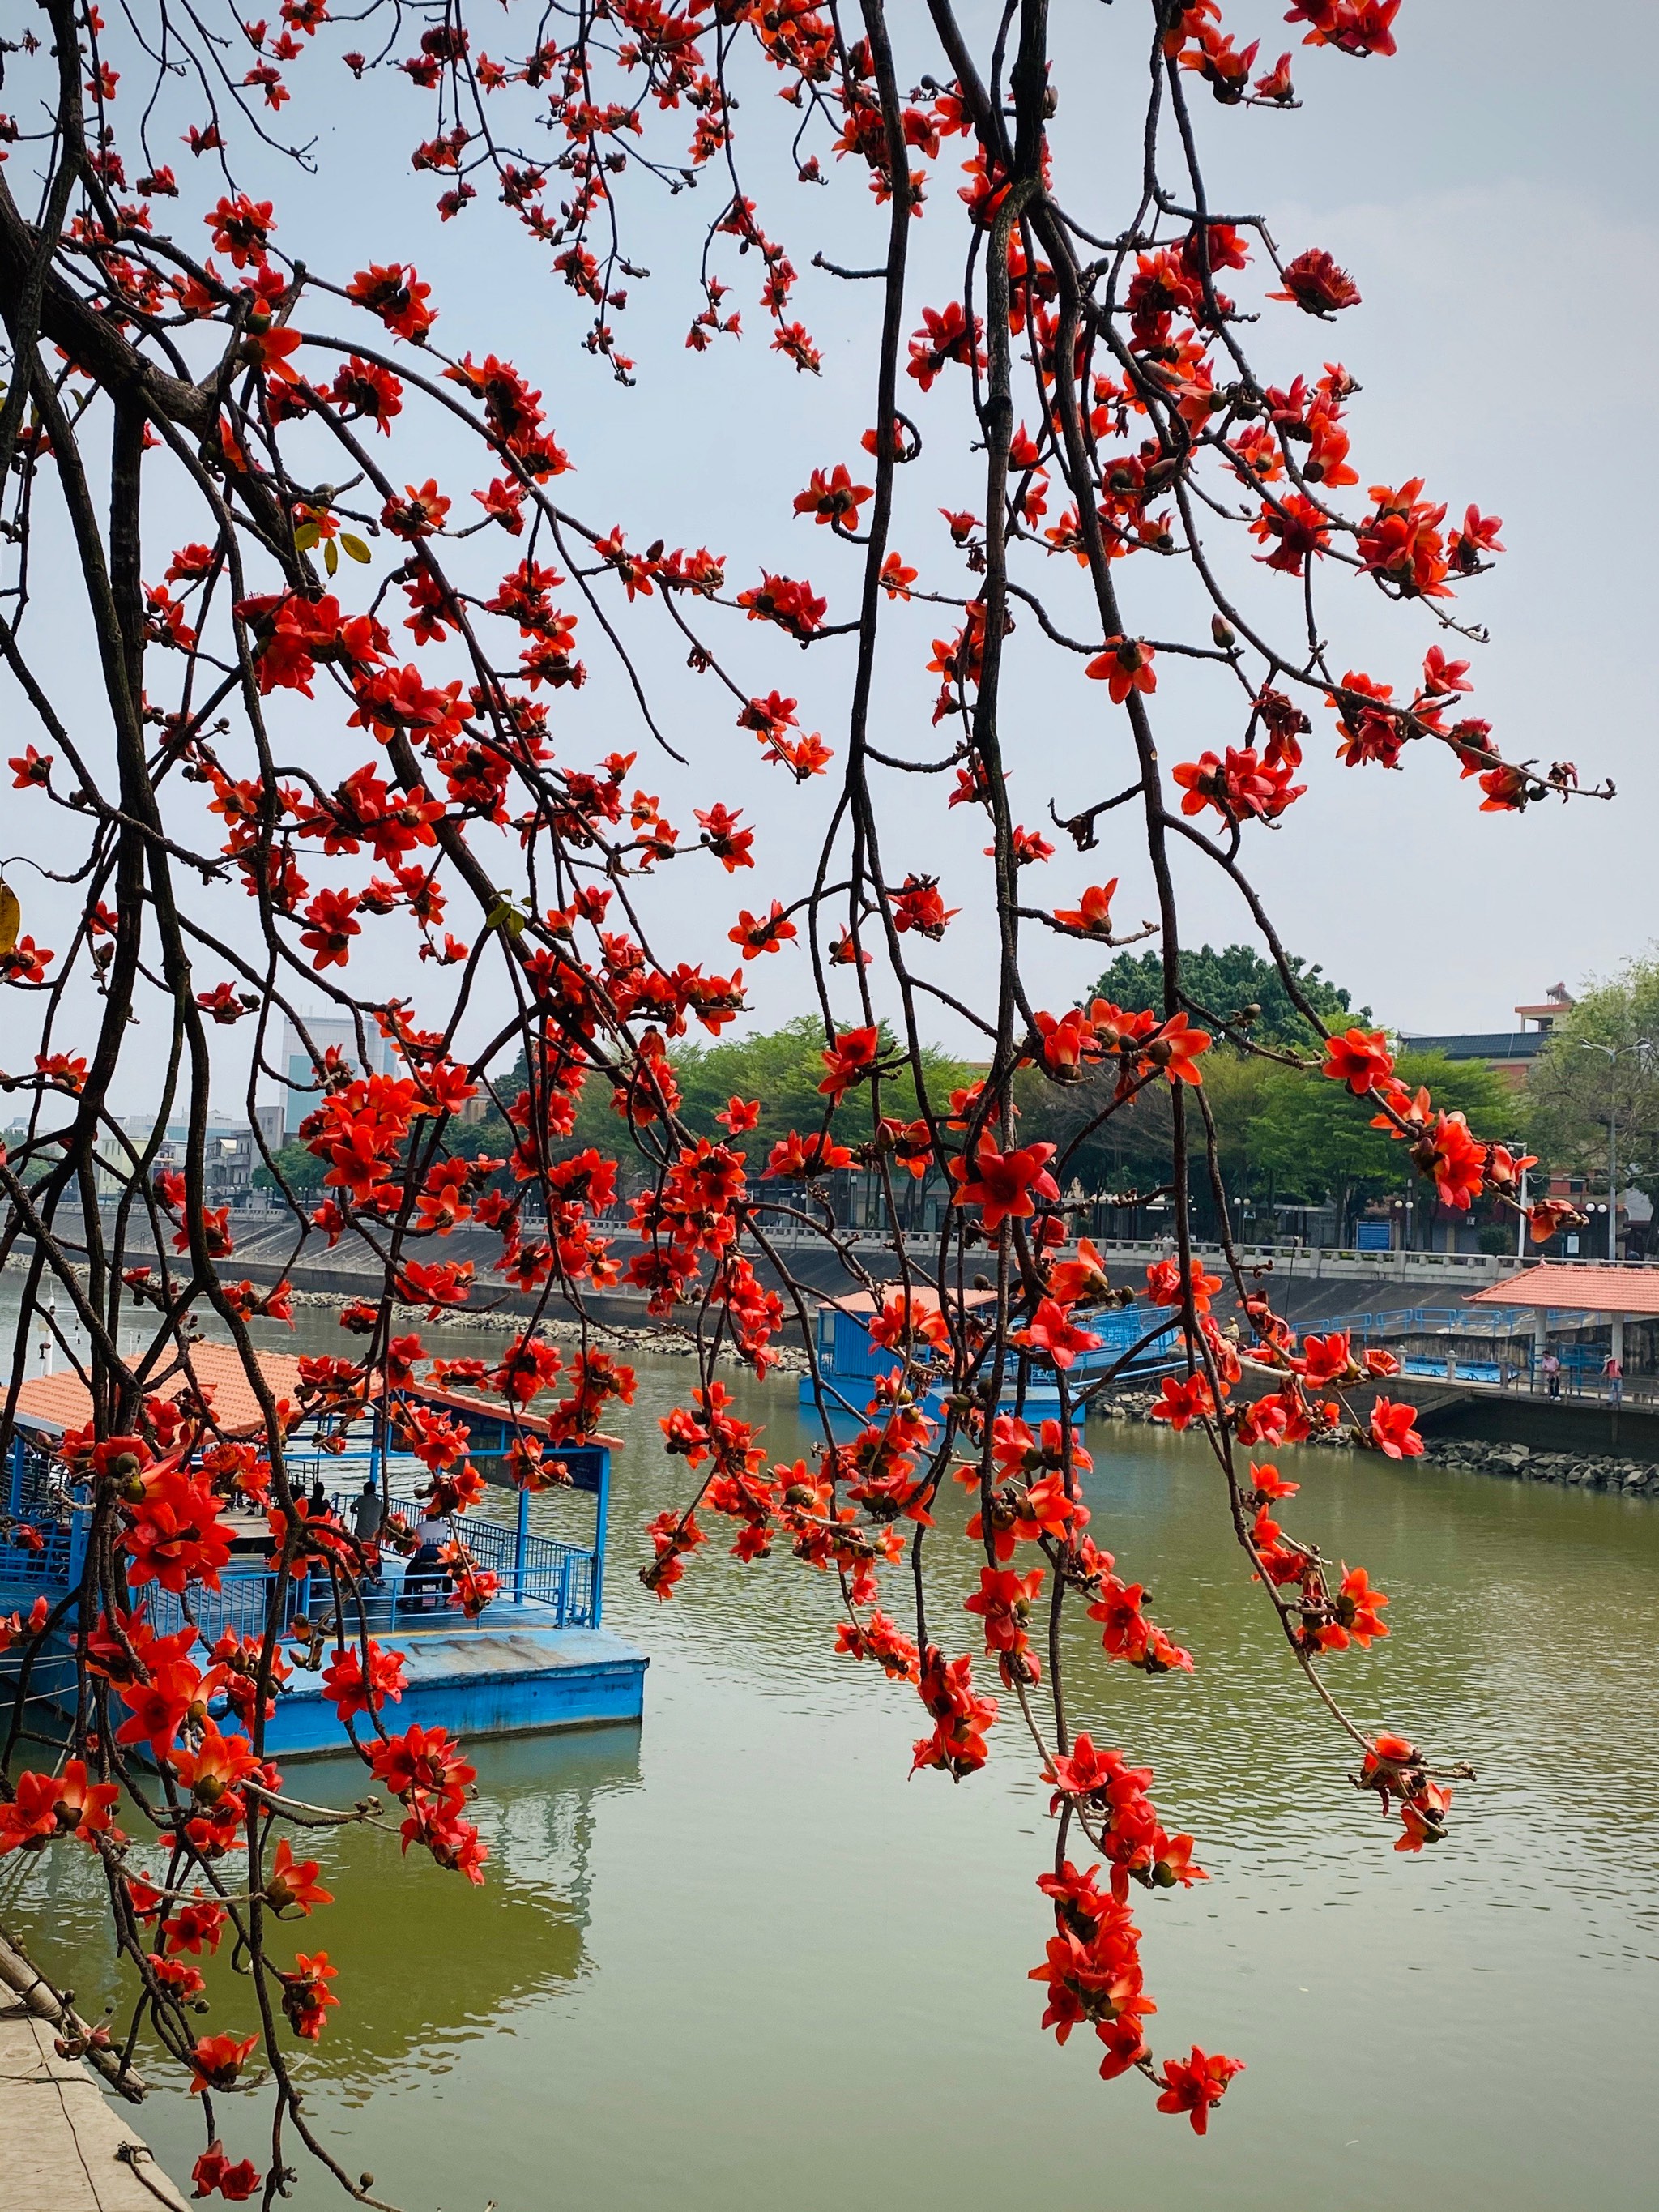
64,2147
1604,1450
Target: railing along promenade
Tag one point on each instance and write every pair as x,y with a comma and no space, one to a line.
1305,1262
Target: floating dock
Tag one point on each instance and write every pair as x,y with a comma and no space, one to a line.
850,1361
538,1658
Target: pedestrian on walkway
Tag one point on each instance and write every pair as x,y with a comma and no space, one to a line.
1613,1368
1550,1368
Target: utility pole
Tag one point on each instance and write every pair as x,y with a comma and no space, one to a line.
1613,1179
1614,1054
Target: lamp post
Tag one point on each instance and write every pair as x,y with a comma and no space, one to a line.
1614,1054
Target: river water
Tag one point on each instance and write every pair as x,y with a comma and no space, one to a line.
736,1960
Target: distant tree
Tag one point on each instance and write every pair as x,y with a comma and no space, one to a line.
300,1167
1280,1134
1593,1068
1226,983
1316,1143
780,1070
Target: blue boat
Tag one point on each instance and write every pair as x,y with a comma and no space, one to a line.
850,1363
538,1657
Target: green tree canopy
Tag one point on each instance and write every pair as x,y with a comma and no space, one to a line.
1593,1068
1283,1131
1316,1143
302,1169
782,1069
1224,983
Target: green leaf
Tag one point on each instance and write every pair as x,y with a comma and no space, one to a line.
330,556
355,547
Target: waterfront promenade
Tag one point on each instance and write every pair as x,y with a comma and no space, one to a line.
64,2146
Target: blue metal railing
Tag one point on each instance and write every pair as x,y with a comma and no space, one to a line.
33,1502
238,1607
29,1487
559,1577
546,1571
1467,1371
1119,1333
52,1566
542,1570
564,1578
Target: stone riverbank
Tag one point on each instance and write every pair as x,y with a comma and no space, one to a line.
1515,1462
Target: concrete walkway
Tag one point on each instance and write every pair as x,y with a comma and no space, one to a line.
60,2140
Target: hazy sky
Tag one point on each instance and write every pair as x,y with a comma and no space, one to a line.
1491,190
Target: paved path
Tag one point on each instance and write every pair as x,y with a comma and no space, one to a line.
59,2137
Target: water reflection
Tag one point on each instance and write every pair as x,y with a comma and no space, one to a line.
427,1964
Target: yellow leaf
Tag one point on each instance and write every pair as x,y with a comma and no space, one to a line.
306,535
331,557
354,546
11,917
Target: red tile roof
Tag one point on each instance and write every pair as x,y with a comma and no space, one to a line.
57,1403
62,1401
925,1301
1593,1288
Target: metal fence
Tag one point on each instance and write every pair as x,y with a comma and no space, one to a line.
558,1577
545,1571
48,1556
238,1607
1306,1262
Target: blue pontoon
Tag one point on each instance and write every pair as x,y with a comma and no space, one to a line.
538,1657
850,1361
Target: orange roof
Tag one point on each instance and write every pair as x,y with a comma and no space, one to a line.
1592,1287
63,1402
922,1299
498,1409
463,1401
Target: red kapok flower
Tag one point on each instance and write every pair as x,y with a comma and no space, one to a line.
213,2170
1007,1185
1125,665
1394,1430
1359,1058
1315,283
1196,2085
216,2060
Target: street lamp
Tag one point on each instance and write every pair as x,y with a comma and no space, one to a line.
1614,1054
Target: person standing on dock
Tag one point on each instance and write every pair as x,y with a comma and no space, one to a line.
1550,1368
367,1512
1613,1368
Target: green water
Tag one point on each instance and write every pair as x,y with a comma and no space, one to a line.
736,1960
